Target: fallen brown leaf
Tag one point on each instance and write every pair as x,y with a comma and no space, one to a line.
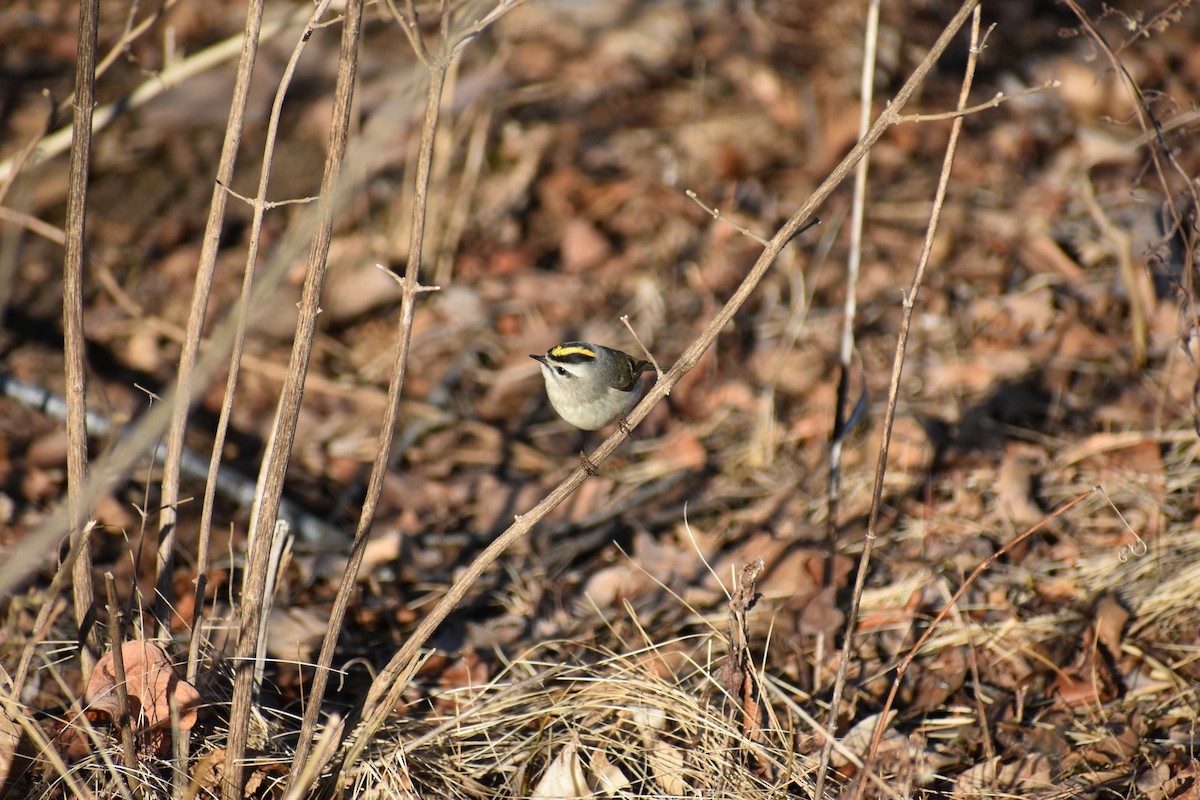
152,683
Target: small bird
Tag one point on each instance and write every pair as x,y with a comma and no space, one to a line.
591,386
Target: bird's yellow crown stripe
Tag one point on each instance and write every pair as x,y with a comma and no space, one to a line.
562,351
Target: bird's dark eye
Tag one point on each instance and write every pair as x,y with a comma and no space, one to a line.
561,371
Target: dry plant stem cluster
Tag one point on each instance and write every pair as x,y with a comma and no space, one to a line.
259,205
201,291
439,65
411,289
274,465
131,448
890,413
392,680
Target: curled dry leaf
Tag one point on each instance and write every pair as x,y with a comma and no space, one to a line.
1110,618
1015,483
667,763
564,777
151,681
858,739
1029,774
608,777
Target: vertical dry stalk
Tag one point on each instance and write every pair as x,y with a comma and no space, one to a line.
41,625
120,683
846,354
140,438
910,299
853,264
235,357
196,314
76,378
274,465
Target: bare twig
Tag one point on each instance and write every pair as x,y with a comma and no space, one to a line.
716,214
48,610
411,289
438,66
1001,97
321,752
410,23
243,320
139,440
17,161
181,775
649,356
45,147
121,48
464,192
258,201
33,225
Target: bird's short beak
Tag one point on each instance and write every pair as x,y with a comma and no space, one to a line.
541,359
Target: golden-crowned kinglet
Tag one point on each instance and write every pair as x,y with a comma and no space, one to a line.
589,385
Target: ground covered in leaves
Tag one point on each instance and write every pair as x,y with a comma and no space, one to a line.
630,646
